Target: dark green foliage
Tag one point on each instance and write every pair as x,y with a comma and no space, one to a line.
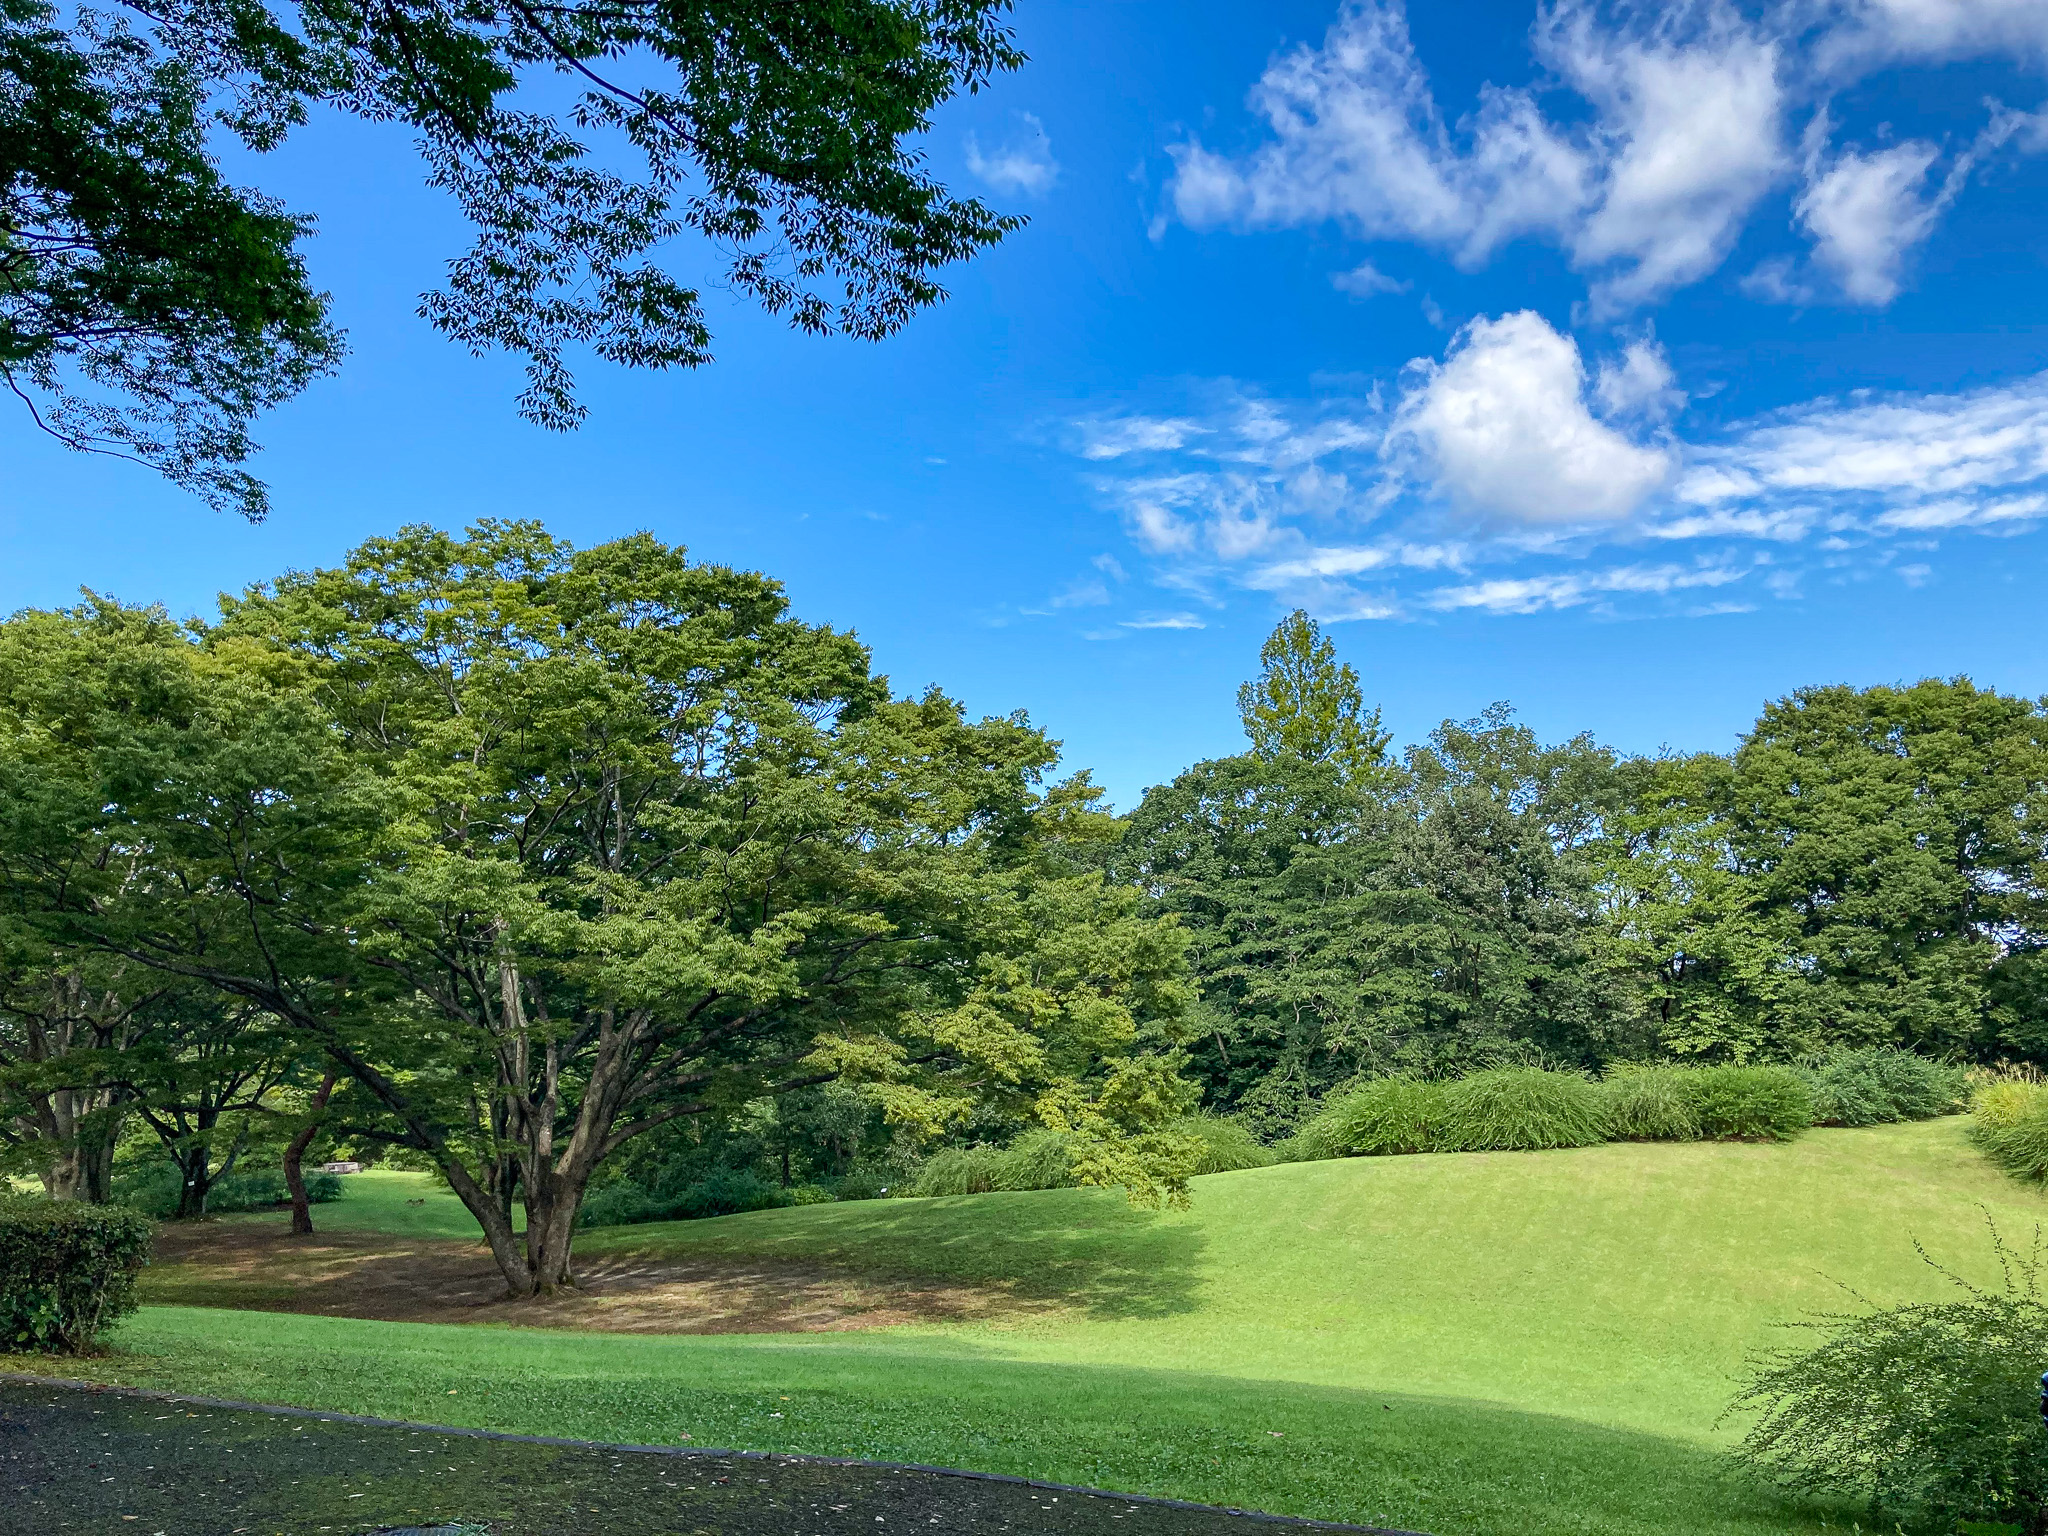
724,1192
67,1271
2009,1124
1881,1084
1650,1104
1929,1410
1749,1103
154,1190
155,307
1521,1109
1385,1116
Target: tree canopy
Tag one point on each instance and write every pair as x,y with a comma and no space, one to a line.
150,308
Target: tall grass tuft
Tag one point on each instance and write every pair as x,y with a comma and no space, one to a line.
1521,1109
1385,1116
1226,1145
1650,1104
1038,1159
2009,1124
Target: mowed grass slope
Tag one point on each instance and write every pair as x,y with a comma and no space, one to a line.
1471,1345
1621,1284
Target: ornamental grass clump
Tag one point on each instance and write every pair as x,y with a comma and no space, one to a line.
1650,1104
1749,1103
1383,1117
1226,1144
1931,1411
2009,1124
1038,1159
1521,1109
67,1272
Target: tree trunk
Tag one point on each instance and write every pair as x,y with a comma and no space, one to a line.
195,1180
294,1158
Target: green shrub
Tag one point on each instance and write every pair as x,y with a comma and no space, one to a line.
1928,1410
1521,1109
863,1182
1310,1144
1382,1117
1226,1144
1881,1085
958,1171
1038,1159
1650,1104
153,1189
722,1192
2009,1124
67,1272
1749,1103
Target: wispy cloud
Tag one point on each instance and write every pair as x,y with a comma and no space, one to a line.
1023,162
1512,463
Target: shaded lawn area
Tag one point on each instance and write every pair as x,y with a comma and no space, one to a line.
79,1461
1447,1467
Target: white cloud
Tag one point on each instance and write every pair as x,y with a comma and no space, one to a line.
1021,163
1164,621
1114,437
1678,132
1690,125
1533,594
1867,212
1504,428
1640,383
1365,280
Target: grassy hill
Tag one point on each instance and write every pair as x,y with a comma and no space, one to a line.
1482,1343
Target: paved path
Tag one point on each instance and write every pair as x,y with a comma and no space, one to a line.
104,1461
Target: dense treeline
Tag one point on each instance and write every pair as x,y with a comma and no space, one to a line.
598,883
1864,869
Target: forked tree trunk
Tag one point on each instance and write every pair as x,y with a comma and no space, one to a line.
295,1155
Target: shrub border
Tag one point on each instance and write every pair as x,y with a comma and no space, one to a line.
325,1416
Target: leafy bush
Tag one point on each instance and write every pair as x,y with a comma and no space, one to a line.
722,1192
1749,1103
1927,1410
1520,1109
1650,1104
1226,1144
2009,1124
1310,1144
1384,1116
1880,1085
153,1189
869,1183
67,1272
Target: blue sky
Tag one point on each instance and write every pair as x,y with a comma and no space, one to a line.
1631,364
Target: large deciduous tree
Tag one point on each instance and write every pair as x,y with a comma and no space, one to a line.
155,309
546,848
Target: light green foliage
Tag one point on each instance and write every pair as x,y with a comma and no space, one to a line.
1307,705
1521,1109
2009,1124
1038,1159
1226,1145
1880,1084
1930,1410
1383,1116
1650,1104
1749,1103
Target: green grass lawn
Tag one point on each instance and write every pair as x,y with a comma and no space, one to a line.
1561,1329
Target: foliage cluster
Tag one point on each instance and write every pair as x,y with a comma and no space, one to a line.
67,1271
1931,1410
154,1188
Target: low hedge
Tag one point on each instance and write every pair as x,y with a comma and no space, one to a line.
1226,1145
67,1272
1749,1103
1881,1085
1383,1117
1650,1104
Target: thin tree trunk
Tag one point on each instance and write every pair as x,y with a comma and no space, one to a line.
294,1158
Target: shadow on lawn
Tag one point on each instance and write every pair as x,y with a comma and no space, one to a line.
1087,1249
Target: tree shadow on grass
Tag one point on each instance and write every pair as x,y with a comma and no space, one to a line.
1086,1249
